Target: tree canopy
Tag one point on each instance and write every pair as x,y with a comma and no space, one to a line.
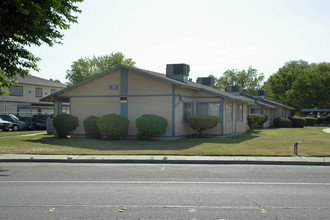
300,85
249,80
85,68
24,23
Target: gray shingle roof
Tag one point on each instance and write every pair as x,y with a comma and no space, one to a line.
33,80
266,102
163,77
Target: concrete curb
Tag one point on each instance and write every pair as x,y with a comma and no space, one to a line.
146,159
301,163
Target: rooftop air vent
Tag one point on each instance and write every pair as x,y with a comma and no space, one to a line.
207,81
260,93
178,71
236,90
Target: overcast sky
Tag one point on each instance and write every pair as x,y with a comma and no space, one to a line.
211,36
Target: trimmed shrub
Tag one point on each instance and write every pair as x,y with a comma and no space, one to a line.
150,125
256,119
201,123
64,124
113,126
282,123
297,122
310,121
320,121
327,119
90,126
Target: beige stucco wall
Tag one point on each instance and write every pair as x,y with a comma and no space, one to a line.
241,126
278,112
98,106
139,84
267,112
181,127
97,87
158,105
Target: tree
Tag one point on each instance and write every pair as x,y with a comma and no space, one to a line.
24,23
249,80
55,80
311,88
300,85
85,68
279,84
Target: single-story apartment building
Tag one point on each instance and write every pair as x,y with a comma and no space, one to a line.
267,107
132,92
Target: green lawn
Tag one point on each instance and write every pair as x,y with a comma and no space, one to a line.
263,142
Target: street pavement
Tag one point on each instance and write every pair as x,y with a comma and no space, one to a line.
163,191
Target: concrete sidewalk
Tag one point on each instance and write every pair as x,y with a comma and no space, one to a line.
325,161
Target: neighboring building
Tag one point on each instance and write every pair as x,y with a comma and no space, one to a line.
270,108
24,97
316,113
133,92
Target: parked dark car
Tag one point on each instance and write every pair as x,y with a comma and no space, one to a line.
38,122
15,123
4,125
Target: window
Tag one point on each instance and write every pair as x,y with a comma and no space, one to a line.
52,91
16,90
187,110
256,111
38,92
239,112
229,112
209,109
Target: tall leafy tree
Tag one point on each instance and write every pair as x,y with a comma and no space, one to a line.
249,80
300,85
85,68
24,23
279,84
311,88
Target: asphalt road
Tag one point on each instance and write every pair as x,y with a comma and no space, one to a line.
156,191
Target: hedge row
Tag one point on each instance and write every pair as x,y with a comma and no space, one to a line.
282,123
114,126
297,122
310,121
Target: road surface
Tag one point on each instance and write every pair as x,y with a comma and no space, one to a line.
157,191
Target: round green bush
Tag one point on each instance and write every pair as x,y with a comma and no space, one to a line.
64,124
201,123
310,121
113,126
90,126
282,123
297,122
256,119
150,125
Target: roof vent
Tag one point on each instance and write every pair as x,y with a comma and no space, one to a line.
178,72
207,81
236,90
260,93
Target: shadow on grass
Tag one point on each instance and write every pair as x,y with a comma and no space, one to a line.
134,145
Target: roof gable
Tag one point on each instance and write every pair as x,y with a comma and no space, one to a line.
159,76
266,102
33,80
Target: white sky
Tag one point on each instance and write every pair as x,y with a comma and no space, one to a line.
209,35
